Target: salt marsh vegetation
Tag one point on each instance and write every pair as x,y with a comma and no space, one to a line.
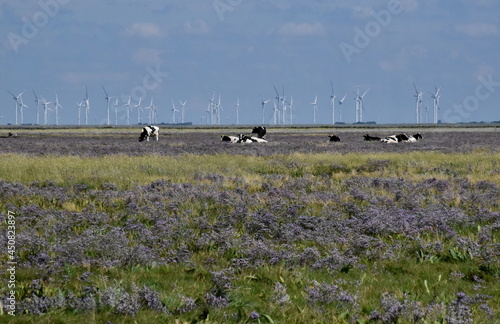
249,234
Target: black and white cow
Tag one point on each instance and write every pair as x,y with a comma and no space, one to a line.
402,138
333,138
149,131
229,138
250,139
260,131
371,138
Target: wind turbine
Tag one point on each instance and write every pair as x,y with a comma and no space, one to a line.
280,104
18,101
291,107
174,110
86,104
315,107
264,102
139,109
435,96
79,105
129,108
333,97
37,108
212,109
150,108
218,108
46,110
21,109
341,101
107,100
419,99
359,106
57,106
183,108
237,110
116,111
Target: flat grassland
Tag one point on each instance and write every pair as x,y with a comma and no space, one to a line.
297,230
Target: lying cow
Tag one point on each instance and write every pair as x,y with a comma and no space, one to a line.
149,131
371,138
333,138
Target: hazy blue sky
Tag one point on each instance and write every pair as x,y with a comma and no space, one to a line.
186,49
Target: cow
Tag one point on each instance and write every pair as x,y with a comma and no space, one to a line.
250,139
229,138
149,131
260,131
401,138
371,138
390,139
333,138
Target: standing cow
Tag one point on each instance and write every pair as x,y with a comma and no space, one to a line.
149,131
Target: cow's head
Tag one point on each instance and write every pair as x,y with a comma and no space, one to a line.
143,136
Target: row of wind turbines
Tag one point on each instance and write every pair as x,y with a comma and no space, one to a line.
419,98
283,106
283,110
49,106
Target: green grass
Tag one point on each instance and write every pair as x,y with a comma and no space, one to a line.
424,278
127,171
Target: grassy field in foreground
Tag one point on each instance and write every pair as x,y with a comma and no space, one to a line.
299,238
126,171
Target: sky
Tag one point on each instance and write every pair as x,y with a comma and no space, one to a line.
177,50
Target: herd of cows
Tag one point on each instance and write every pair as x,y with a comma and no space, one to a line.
260,131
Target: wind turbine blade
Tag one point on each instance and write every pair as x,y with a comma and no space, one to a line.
277,94
105,91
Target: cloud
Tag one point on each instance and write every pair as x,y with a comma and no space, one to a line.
478,30
401,60
196,27
147,56
93,77
301,29
146,30
484,71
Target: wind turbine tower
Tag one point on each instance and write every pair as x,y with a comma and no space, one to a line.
341,101
435,96
21,109
264,102
86,104
315,107
57,106
38,101
333,97
139,109
18,101
129,108
237,110
419,100
174,110
183,108
108,98
359,106
79,105
45,110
